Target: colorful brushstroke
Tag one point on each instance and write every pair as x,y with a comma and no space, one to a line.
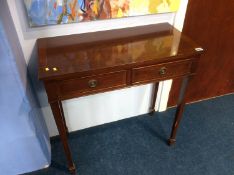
46,12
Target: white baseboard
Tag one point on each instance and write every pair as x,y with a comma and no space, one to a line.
163,95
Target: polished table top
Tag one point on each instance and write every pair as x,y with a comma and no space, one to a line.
72,54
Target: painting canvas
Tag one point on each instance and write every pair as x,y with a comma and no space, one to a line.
47,12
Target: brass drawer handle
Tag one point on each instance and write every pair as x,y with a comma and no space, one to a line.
163,71
92,83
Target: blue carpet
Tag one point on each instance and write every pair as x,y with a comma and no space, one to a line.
137,146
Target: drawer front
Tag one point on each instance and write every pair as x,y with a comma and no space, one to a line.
86,85
160,71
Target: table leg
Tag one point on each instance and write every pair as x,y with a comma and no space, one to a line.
154,97
62,113
179,111
55,106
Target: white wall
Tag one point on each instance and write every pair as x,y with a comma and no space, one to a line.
100,108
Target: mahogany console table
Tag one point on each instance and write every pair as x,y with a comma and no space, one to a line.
83,64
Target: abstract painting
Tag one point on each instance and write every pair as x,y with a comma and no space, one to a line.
47,12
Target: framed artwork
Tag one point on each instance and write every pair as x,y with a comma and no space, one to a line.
48,12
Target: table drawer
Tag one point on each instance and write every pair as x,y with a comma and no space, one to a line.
97,83
160,71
